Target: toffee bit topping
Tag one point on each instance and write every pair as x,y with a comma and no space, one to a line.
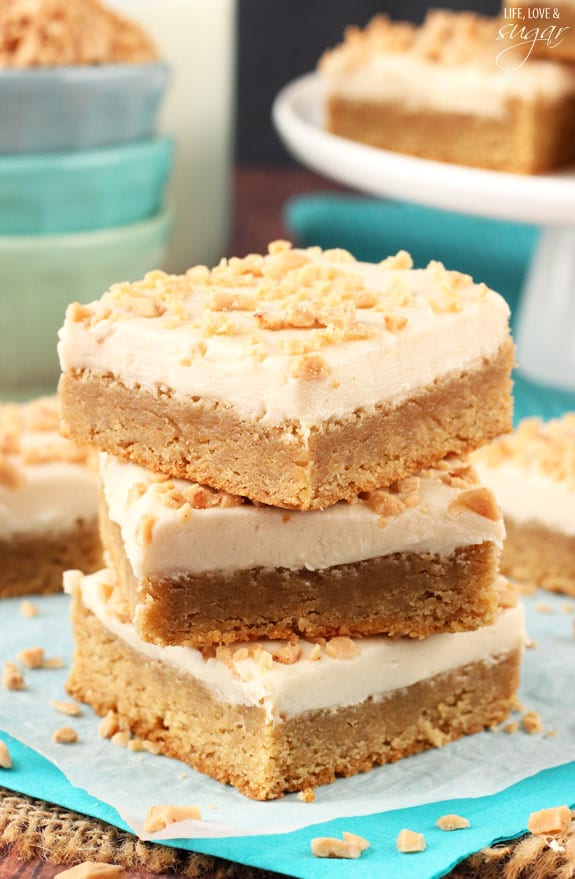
78,313
222,301
288,653
315,653
444,38
298,317
394,500
479,501
394,322
144,530
29,437
54,33
401,261
341,647
309,367
547,448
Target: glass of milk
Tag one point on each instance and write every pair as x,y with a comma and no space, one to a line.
198,39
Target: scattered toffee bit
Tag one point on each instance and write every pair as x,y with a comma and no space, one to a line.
53,662
5,759
109,725
511,728
532,723
92,870
351,846
159,817
12,677
550,822
543,608
307,795
452,822
28,609
409,841
72,709
65,735
32,657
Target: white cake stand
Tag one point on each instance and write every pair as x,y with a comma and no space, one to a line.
546,322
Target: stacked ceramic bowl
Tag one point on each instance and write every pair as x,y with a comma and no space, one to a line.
82,185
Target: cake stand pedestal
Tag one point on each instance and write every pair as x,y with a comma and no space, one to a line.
546,323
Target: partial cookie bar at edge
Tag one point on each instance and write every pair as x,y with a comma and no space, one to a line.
532,473
456,89
201,567
48,501
268,727
341,376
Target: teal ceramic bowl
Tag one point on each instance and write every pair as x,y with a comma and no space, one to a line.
79,108
42,275
57,193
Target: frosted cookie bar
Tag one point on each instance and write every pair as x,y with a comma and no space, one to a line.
456,89
272,717
48,501
199,566
532,473
296,379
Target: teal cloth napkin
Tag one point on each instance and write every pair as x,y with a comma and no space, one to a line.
501,816
492,251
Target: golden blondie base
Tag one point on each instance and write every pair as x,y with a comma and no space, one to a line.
415,594
35,563
264,759
531,139
207,442
537,555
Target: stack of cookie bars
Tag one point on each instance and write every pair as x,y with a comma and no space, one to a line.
303,570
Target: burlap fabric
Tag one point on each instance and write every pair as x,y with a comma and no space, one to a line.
40,830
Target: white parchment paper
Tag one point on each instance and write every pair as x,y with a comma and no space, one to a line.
132,782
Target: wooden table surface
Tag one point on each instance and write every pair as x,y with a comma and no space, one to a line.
260,193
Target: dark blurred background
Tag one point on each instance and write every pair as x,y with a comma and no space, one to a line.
281,39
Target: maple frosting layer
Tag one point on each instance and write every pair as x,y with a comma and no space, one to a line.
454,63
295,334
46,482
532,473
372,668
173,526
